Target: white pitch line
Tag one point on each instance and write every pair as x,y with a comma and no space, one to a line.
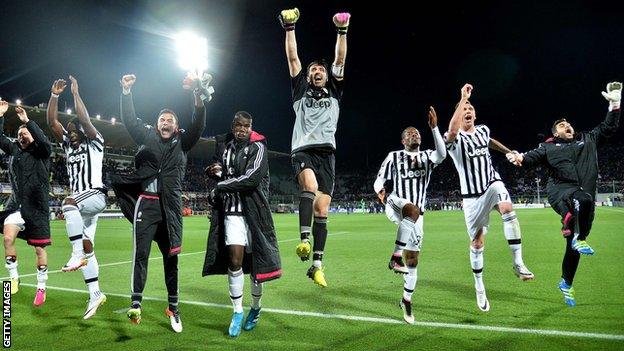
154,258
545,332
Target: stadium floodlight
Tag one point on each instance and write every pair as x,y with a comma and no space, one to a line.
192,52
68,111
18,102
113,120
98,116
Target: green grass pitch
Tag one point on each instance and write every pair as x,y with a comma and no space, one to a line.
359,309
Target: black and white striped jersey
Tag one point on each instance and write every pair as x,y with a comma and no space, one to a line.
410,173
84,163
472,159
231,201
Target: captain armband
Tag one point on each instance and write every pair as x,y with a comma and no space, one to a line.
338,71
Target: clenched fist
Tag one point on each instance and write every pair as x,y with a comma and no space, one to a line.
127,82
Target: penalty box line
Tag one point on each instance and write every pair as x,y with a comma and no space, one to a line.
543,332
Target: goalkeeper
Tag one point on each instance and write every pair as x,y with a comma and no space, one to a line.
572,163
316,96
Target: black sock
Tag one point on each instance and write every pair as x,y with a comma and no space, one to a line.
570,262
319,230
306,210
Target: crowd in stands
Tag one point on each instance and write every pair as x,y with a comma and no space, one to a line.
354,190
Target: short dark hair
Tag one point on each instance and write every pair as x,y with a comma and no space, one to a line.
457,104
243,114
319,62
22,126
554,126
166,110
405,131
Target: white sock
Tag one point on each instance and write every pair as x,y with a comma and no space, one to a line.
256,295
12,268
409,283
74,226
317,257
91,273
236,281
405,228
511,228
42,277
476,262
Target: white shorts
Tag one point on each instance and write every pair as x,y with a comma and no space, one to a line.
477,209
90,204
236,230
394,212
15,218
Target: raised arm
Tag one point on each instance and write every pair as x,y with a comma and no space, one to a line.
459,113
256,169
341,20
609,126
81,111
287,19
43,149
135,126
5,142
440,149
498,146
190,137
52,112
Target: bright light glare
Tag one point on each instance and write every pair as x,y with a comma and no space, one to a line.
18,102
113,120
192,52
68,111
98,116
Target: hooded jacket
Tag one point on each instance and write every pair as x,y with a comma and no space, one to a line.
251,166
572,164
30,181
163,160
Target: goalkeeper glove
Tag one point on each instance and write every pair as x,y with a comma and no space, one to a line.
288,18
613,95
341,20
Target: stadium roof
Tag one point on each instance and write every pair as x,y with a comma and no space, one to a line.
115,134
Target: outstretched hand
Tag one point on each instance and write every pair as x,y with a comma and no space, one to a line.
288,18
433,118
613,93
21,113
74,85
466,91
515,157
58,86
341,21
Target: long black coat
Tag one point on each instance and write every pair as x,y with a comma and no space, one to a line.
30,181
251,166
164,160
572,165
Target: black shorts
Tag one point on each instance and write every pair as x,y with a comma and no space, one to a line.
322,162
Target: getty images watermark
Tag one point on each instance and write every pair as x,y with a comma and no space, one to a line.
6,314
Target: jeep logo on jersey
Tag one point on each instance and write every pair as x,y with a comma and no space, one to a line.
413,173
312,103
77,158
479,151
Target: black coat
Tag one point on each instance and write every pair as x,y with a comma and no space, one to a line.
164,160
30,181
251,166
572,165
